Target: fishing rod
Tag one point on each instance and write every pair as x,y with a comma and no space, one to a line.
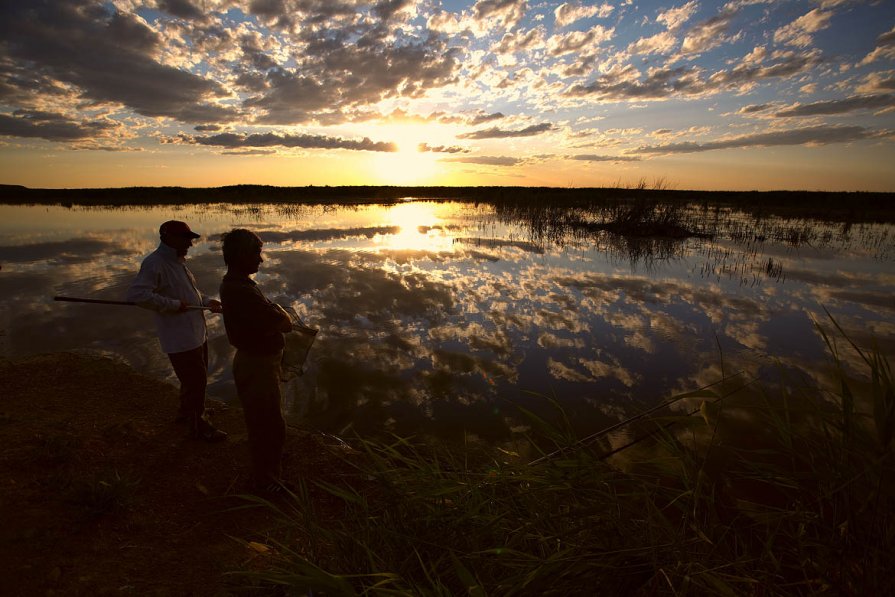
72,299
702,392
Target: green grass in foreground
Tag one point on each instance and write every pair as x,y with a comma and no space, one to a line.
803,505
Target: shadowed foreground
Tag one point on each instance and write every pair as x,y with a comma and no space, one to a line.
102,493
770,491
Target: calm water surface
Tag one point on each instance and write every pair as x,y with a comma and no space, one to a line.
444,318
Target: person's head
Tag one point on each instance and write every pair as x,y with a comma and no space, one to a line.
242,250
177,235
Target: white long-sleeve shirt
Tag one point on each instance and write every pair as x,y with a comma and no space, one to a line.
162,283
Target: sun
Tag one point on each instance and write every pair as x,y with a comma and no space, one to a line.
408,165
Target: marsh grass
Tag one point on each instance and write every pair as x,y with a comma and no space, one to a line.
773,491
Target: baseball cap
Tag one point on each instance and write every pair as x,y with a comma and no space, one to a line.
176,228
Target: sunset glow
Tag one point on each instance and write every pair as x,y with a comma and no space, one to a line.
737,94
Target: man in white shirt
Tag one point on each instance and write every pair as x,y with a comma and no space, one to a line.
165,286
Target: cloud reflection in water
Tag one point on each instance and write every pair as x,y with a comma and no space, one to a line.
441,317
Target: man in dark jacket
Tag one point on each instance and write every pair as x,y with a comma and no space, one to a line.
255,327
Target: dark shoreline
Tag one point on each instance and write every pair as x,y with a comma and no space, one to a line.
848,206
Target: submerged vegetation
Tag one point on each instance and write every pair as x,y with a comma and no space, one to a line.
769,491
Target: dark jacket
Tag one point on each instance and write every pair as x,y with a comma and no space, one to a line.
252,322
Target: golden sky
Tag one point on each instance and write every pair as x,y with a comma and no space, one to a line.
744,94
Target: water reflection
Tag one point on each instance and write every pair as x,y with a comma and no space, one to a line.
444,318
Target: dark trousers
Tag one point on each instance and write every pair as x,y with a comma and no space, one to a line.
258,387
191,368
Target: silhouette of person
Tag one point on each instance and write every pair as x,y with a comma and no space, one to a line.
166,286
255,327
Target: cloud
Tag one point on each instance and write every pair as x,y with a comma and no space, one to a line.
752,109
233,140
327,234
799,32
425,147
488,160
603,158
339,75
483,18
579,41
180,8
52,127
851,104
74,250
658,84
497,133
816,135
506,13
789,65
566,13
874,82
884,50
514,41
109,57
673,18
708,34
659,43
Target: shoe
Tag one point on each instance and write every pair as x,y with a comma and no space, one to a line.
182,418
207,432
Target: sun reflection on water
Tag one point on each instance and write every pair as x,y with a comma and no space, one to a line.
422,226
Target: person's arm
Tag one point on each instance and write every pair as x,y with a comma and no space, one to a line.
285,321
251,308
142,291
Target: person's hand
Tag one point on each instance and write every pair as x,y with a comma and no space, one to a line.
183,307
286,319
215,306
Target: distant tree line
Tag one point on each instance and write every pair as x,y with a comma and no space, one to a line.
851,206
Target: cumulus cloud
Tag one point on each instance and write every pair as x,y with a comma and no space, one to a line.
567,13
497,133
425,147
517,41
181,8
51,126
876,82
579,41
816,135
850,104
603,158
660,43
342,75
674,18
743,74
485,16
884,50
488,160
707,35
109,57
233,140
755,108
658,84
799,33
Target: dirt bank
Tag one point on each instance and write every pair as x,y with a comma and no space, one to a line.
101,492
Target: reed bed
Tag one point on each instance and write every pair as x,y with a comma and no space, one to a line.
762,491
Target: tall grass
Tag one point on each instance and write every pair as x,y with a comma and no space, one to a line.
770,491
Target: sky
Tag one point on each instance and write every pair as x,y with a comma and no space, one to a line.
738,95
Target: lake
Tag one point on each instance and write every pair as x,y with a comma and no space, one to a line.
445,318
